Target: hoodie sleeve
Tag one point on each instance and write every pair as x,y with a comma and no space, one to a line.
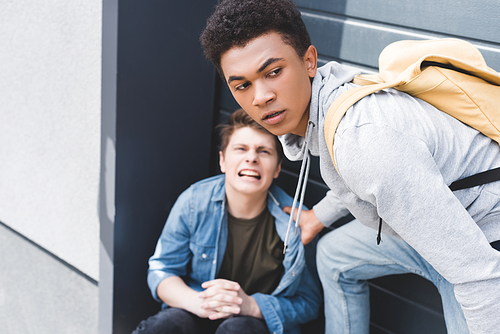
330,209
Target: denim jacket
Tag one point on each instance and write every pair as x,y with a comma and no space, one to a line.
193,243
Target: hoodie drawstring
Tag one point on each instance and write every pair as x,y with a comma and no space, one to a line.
379,234
301,184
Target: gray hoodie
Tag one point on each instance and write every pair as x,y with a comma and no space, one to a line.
396,157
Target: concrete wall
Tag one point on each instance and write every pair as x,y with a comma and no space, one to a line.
50,62
50,84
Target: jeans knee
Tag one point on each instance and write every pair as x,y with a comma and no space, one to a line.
242,325
171,320
329,253
140,328
321,257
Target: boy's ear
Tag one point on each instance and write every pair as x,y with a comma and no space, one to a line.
278,170
311,60
222,162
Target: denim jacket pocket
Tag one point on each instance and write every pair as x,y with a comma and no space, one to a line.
202,261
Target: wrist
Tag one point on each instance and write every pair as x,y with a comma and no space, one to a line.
252,308
192,302
318,225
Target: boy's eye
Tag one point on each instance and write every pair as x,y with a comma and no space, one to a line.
274,72
242,86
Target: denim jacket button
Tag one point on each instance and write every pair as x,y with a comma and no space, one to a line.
204,255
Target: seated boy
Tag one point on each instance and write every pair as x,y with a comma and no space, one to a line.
219,266
396,156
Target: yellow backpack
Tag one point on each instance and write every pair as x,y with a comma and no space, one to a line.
450,74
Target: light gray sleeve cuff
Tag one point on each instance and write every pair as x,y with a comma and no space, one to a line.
330,209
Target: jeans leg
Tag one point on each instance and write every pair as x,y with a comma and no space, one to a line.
452,311
347,257
169,320
243,325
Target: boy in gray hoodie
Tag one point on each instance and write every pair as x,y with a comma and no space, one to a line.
396,156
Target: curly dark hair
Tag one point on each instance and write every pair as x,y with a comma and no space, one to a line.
237,22
240,119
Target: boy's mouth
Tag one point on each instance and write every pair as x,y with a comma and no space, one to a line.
273,117
249,173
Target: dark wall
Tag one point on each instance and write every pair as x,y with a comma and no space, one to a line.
163,103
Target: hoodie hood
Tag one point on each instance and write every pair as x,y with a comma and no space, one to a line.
328,78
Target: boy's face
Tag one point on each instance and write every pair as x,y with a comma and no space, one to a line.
271,82
250,162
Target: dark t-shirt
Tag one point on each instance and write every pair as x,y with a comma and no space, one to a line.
254,254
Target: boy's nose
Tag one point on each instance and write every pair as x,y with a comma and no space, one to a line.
251,156
263,95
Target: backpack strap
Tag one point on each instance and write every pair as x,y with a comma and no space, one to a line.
478,179
340,106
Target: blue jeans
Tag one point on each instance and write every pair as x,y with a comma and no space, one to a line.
177,321
349,256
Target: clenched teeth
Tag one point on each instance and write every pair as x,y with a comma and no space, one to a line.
250,173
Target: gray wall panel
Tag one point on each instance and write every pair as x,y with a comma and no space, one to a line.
359,43
393,313
470,19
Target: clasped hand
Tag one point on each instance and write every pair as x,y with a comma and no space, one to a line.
223,299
